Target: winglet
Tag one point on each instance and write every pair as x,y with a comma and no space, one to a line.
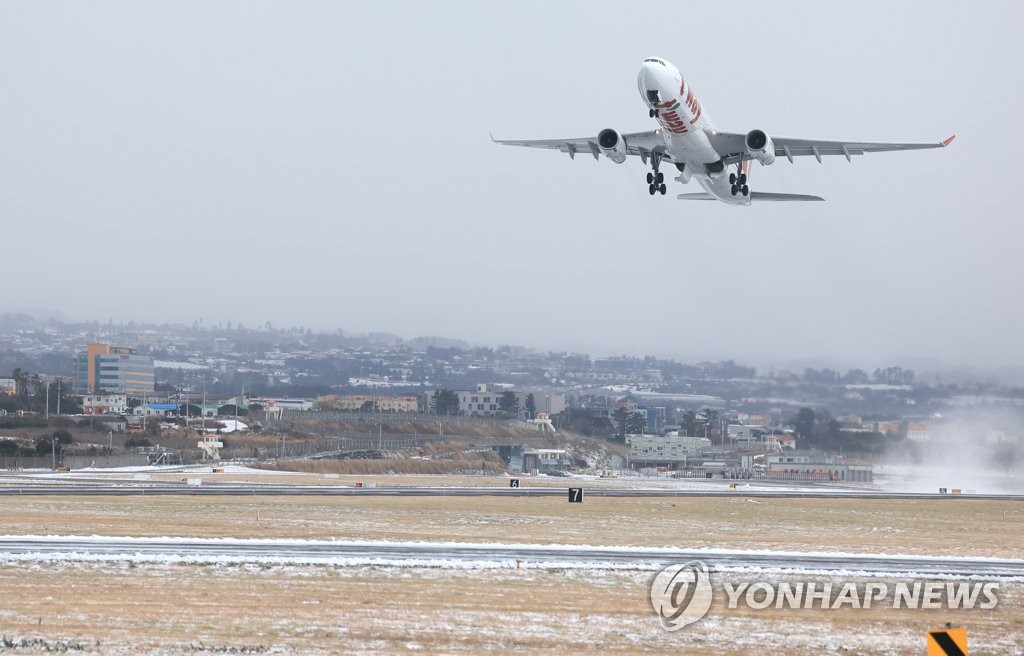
948,141
491,135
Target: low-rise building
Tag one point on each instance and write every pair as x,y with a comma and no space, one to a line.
523,459
116,423
741,433
670,451
8,386
99,404
816,465
486,401
372,402
158,409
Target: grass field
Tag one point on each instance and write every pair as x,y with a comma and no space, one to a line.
126,608
925,527
176,609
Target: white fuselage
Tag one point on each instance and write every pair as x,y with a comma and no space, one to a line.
684,127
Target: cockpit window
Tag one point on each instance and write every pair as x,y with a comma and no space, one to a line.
655,60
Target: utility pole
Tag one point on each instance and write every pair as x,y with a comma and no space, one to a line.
58,397
47,401
53,450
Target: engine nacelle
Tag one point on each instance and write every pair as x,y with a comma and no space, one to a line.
760,146
612,145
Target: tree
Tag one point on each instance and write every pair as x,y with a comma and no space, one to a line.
135,441
804,424
21,378
688,423
44,446
59,399
8,447
636,423
856,377
38,386
368,406
531,406
508,403
619,418
444,402
63,436
709,416
153,423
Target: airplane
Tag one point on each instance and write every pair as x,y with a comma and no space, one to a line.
687,138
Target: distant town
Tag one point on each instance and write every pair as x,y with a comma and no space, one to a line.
131,377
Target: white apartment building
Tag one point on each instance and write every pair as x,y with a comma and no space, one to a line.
665,449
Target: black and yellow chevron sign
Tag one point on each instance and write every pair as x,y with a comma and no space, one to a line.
947,642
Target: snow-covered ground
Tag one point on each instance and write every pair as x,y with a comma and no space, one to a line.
487,555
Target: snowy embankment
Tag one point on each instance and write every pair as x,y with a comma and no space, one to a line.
492,555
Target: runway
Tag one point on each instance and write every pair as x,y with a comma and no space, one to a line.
228,489
50,548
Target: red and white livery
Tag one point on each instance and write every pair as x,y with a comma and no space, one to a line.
688,139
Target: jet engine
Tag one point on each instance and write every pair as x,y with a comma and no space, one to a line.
760,146
612,145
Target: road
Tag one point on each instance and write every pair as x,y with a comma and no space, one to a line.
418,553
130,488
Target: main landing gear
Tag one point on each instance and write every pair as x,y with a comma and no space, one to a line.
656,183
653,113
656,179
739,182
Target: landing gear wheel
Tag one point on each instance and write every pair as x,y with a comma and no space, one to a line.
650,178
657,113
742,180
659,177
651,189
732,178
734,190
650,113
662,188
745,190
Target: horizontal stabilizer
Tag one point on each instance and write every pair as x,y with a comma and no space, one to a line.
755,195
766,195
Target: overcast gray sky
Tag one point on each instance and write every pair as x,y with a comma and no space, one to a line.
328,165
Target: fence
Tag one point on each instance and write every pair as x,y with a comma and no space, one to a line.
398,417
339,445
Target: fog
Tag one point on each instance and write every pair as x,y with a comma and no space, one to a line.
976,450
328,165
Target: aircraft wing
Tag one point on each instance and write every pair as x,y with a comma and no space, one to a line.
731,147
639,144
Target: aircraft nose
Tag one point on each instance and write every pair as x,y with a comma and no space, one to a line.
653,77
648,76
